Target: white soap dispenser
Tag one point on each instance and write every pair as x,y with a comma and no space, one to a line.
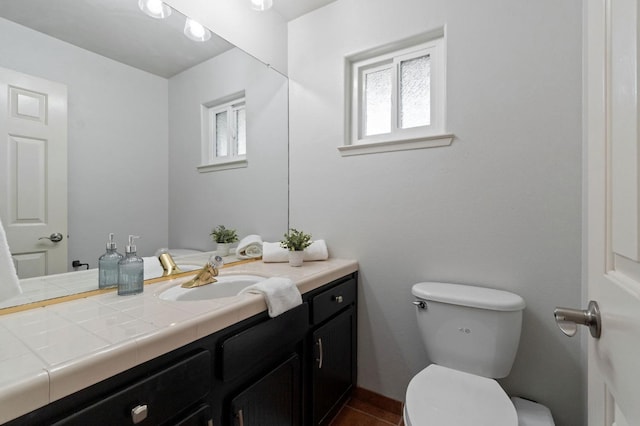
108,265
130,271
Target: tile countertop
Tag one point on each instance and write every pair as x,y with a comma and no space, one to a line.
50,352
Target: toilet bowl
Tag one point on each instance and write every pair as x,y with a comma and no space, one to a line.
471,335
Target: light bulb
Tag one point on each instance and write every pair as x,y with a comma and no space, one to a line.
195,31
261,5
154,8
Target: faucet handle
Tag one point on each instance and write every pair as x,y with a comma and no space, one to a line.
216,261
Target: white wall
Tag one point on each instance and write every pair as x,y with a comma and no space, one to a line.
261,34
500,207
117,141
253,200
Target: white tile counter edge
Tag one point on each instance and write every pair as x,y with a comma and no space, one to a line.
171,324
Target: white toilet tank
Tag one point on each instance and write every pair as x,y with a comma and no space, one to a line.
468,328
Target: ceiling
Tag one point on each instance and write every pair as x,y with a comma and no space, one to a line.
118,30
292,9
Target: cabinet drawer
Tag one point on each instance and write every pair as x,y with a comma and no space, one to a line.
332,301
159,398
241,352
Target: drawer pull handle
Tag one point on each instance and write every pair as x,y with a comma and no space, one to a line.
240,418
320,351
338,299
139,413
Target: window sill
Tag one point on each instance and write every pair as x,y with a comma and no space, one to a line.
232,163
401,145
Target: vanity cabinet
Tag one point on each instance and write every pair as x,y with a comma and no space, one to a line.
172,395
273,399
260,369
332,346
294,369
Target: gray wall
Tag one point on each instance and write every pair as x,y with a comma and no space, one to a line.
117,141
500,207
253,200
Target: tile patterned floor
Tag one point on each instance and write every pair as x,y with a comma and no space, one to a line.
366,408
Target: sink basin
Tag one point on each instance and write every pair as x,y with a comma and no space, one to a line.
227,286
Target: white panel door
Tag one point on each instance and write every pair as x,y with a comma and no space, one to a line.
33,172
612,123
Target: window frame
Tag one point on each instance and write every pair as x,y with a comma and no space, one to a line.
210,160
391,57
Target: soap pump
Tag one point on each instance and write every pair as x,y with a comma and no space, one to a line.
130,270
108,265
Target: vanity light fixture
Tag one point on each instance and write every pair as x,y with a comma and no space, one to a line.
195,31
261,5
154,8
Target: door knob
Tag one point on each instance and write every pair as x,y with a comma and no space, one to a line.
568,319
56,237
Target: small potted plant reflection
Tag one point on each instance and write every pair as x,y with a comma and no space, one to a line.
296,241
224,237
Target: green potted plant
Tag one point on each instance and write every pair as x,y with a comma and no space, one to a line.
224,237
296,241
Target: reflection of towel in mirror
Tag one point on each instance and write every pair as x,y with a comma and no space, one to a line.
9,284
250,247
280,294
152,267
273,252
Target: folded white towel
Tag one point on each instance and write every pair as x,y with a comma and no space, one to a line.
281,294
250,247
152,267
273,252
9,283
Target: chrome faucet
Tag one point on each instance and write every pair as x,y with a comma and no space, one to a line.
207,274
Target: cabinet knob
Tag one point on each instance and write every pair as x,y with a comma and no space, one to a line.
139,413
338,299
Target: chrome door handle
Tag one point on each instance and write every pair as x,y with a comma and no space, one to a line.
568,319
56,237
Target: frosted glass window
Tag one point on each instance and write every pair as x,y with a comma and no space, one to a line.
415,92
377,104
398,95
241,125
222,134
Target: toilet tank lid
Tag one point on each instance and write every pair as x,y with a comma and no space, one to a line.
468,295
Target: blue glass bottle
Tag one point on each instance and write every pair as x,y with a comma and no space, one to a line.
130,271
108,265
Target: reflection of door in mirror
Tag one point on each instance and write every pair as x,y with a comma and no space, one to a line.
33,175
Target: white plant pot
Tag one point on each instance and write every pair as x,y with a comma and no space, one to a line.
296,258
223,249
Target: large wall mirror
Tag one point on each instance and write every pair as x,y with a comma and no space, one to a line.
137,90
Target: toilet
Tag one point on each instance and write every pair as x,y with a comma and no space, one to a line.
471,335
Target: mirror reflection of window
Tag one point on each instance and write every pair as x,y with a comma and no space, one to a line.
229,136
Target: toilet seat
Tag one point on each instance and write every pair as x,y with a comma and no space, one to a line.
442,396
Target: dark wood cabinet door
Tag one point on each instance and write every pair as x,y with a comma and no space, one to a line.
334,365
273,400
